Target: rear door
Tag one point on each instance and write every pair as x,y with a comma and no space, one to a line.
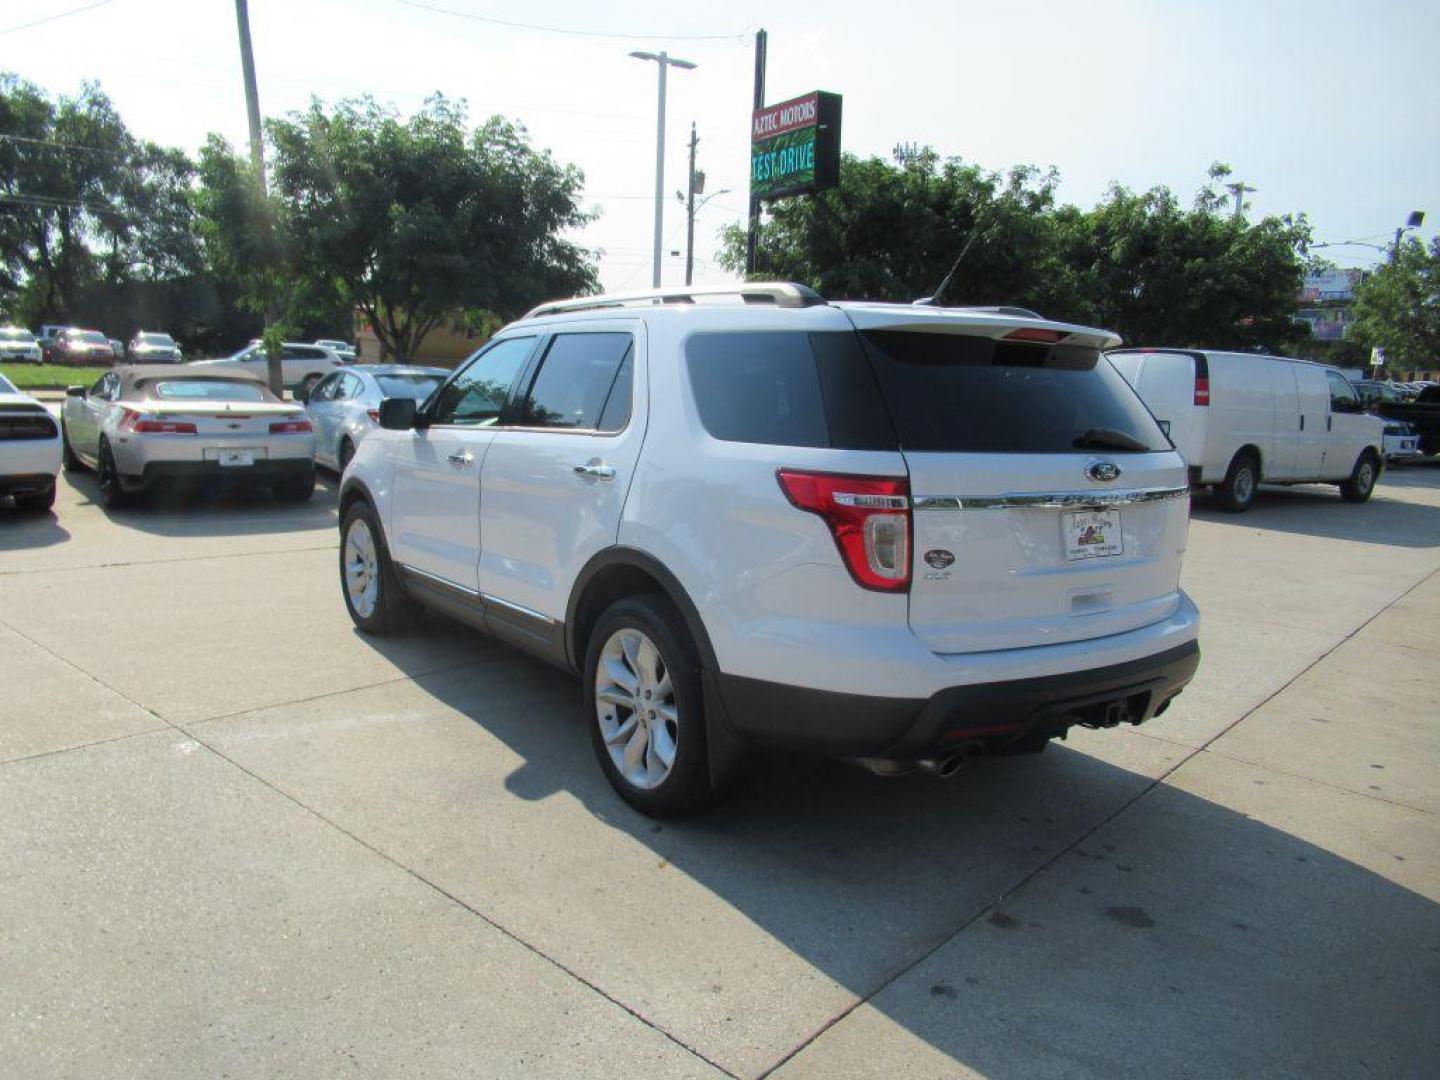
556,476
1175,386
1049,505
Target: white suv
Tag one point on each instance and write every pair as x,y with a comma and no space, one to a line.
891,533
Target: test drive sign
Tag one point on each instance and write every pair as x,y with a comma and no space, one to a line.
795,146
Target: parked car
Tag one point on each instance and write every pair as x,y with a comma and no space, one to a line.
151,347
19,346
345,406
29,449
342,349
81,347
49,333
145,424
883,532
1240,420
1402,442
302,366
1422,412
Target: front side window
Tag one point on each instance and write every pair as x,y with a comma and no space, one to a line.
476,396
576,379
326,390
1342,394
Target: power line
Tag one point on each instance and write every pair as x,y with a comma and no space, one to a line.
62,145
53,18
572,32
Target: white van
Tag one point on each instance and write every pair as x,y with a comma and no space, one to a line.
1239,419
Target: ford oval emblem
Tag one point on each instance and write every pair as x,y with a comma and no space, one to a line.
939,558
1102,471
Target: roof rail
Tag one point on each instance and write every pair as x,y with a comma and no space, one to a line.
779,293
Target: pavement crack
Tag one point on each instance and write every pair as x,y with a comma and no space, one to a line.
163,562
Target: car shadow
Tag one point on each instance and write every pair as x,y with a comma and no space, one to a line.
861,877
29,528
1318,510
238,511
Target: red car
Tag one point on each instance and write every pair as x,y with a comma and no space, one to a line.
81,347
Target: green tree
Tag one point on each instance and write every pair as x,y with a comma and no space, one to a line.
1398,307
1141,264
413,220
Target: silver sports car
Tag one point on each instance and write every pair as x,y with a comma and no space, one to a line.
142,425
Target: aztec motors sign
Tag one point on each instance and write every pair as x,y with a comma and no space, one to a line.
795,146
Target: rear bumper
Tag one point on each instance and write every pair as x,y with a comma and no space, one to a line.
212,472
26,484
988,716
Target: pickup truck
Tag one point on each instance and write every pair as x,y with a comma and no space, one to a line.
1423,414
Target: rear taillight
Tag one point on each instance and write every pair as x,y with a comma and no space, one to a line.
289,427
869,516
141,424
1202,390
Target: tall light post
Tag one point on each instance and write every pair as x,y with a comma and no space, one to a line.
664,61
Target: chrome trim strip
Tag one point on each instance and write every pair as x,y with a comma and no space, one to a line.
1051,500
519,609
438,579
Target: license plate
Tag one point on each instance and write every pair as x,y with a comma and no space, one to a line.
1092,534
231,458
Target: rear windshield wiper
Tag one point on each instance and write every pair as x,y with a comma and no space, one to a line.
1107,439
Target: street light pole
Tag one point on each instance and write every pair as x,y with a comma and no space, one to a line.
664,61
690,211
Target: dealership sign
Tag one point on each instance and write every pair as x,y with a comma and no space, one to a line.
795,146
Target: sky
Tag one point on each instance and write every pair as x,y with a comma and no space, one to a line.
1324,107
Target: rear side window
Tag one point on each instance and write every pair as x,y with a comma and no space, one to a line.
576,380
959,393
787,388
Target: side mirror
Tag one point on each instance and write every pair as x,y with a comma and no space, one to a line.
398,413
75,391
301,394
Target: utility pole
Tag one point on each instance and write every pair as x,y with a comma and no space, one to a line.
1239,190
274,371
690,211
665,61
751,237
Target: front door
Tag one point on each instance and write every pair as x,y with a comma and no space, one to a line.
435,508
1350,427
323,412
1313,396
557,474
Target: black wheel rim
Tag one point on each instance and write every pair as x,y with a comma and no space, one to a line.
109,483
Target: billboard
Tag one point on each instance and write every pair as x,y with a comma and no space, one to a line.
1333,284
795,146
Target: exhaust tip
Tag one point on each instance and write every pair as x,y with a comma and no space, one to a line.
944,767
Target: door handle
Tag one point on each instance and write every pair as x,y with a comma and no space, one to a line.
1302,421
461,460
595,469
1328,421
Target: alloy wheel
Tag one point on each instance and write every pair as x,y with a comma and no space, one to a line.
362,572
636,710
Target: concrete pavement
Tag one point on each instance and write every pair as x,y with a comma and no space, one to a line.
241,839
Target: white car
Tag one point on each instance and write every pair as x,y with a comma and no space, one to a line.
345,407
1240,419
893,533
18,345
149,347
302,366
147,424
29,449
1402,441
342,349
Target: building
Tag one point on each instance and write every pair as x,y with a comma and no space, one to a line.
1327,300
445,346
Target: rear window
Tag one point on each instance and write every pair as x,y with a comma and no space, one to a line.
418,387
208,390
958,393
787,388
16,335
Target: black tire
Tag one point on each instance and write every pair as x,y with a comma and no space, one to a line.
1236,492
1361,484
393,609
36,501
68,461
687,787
296,490
112,492
345,453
